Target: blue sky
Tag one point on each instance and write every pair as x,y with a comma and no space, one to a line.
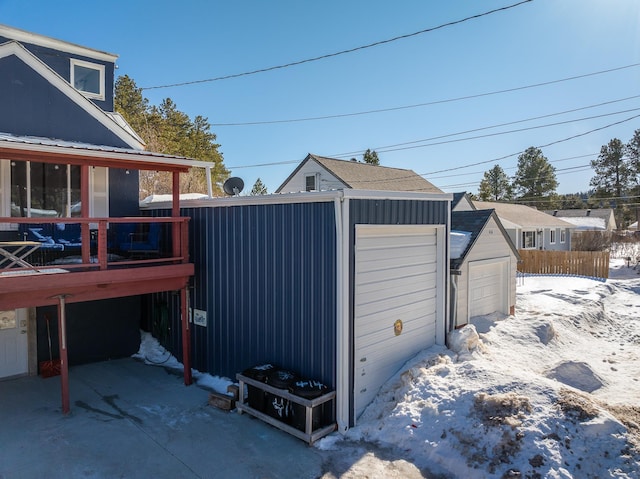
163,42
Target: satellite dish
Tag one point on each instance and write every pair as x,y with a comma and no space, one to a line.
233,186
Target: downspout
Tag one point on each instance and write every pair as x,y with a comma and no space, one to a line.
342,313
453,303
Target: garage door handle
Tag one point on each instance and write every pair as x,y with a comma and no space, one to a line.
362,360
363,390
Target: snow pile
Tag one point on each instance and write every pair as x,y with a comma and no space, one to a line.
553,391
151,352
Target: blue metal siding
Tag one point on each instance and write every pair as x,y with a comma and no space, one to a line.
32,106
266,275
123,193
60,62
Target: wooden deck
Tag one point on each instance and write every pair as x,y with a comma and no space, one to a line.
94,271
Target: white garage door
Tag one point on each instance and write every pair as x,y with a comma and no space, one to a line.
487,287
396,302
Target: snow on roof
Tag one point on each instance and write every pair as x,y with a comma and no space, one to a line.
152,199
585,222
459,240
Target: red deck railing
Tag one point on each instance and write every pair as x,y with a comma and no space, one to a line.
101,243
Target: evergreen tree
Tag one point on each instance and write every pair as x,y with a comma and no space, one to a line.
615,178
633,155
613,174
259,188
165,129
535,178
371,157
495,185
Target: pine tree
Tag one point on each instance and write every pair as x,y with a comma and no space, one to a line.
495,185
613,174
371,157
535,178
259,188
165,129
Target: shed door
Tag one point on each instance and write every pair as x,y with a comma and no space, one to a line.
395,308
488,287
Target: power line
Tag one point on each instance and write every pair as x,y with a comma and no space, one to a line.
558,172
539,146
342,52
388,147
430,103
510,167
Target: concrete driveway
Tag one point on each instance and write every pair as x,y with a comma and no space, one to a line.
131,420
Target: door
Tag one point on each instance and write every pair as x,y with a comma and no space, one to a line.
13,343
488,287
396,296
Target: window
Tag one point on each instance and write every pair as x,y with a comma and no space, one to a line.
44,189
528,239
310,183
563,235
552,236
88,78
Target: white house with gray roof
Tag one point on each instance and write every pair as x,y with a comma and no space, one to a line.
529,228
318,173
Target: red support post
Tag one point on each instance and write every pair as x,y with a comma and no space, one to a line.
64,362
175,213
186,335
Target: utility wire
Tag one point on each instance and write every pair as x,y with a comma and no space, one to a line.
342,52
435,102
509,167
387,147
539,146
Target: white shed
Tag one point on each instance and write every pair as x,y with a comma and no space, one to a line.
483,266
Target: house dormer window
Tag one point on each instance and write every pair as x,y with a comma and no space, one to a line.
310,183
88,78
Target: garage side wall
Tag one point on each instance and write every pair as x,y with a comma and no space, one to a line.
265,276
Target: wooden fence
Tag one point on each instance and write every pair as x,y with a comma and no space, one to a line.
579,263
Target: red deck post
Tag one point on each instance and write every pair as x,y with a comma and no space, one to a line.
175,212
64,362
186,335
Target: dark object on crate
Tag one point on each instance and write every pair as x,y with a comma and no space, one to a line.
277,406
309,389
255,396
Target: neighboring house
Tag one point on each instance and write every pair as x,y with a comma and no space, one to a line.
340,286
317,173
68,173
601,219
483,263
529,228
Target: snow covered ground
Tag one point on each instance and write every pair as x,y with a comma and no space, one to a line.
552,392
